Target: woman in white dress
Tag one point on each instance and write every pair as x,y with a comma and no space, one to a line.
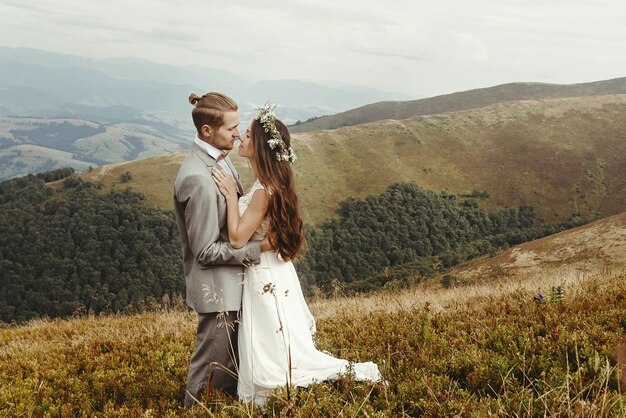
276,330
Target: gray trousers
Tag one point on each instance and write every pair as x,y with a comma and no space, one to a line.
216,350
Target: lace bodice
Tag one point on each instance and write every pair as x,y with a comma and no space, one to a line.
244,201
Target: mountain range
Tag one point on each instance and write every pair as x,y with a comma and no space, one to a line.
131,98
41,83
464,100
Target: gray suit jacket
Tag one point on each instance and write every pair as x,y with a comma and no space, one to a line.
213,268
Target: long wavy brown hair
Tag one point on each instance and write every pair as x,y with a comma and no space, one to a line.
286,229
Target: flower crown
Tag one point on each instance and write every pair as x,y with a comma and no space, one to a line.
267,118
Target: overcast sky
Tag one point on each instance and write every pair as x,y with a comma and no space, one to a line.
422,48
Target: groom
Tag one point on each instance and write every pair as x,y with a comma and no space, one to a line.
213,269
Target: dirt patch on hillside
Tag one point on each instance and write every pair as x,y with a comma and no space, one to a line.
588,249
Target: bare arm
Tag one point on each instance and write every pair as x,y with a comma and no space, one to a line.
240,228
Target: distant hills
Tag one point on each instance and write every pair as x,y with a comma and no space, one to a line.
461,101
32,145
564,157
42,83
132,98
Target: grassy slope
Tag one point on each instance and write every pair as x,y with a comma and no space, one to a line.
154,177
560,155
462,101
591,248
479,350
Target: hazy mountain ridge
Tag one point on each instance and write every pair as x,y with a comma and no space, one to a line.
32,87
47,85
125,67
562,156
45,80
462,101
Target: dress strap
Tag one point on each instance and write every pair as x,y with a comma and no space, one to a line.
256,186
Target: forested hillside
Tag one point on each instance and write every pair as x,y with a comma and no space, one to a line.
76,249
407,233
81,251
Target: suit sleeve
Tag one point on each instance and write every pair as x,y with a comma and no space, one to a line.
203,229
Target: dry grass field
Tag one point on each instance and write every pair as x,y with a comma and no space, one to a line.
481,347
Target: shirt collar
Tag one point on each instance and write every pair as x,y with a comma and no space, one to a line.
215,153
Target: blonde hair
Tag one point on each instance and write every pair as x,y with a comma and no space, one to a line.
209,109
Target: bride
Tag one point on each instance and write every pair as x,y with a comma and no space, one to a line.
276,330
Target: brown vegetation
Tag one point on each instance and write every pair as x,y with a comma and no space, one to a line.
583,251
484,347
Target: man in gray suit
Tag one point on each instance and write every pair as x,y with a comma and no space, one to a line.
213,268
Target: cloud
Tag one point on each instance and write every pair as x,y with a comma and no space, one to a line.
393,55
422,47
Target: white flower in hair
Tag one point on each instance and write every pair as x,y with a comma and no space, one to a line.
267,118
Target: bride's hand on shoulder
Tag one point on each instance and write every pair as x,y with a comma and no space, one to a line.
225,182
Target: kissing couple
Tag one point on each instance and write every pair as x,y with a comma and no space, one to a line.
255,331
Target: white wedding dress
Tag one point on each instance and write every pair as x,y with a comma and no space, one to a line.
276,331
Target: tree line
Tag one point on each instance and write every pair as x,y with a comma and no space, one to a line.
77,249
407,234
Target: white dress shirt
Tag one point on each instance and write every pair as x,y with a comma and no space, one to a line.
218,154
